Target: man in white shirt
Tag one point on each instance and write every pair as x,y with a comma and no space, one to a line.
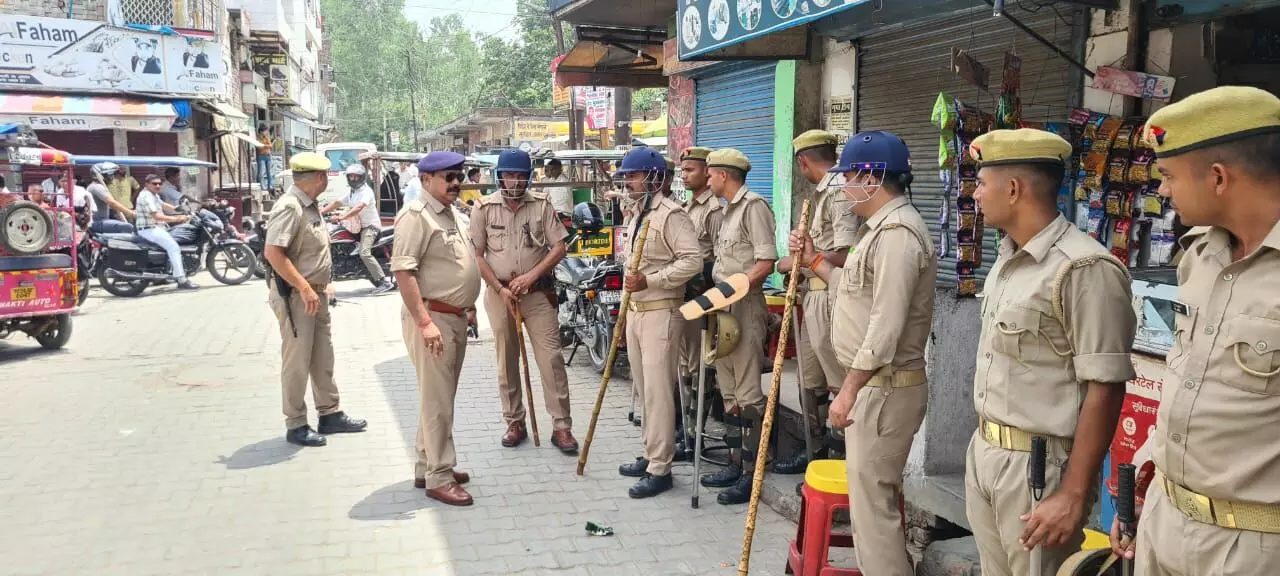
362,204
412,189
561,197
79,198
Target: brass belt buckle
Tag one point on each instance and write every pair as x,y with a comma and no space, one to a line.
991,431
1195,506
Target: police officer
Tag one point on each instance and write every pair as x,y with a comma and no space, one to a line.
518,240
670,259
834,228
1213,506
297,246
882,319
439,282
1053,358
706,212
745,244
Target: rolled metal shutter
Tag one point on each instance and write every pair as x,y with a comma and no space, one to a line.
900,74
734,109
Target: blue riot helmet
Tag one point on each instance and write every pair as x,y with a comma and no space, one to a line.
587,217
642,160
876,153
514,161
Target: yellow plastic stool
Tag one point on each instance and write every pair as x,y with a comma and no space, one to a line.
827,476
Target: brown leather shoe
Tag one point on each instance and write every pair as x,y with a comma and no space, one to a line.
516,434
563,439
459,477
453,495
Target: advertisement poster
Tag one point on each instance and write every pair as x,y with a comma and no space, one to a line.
85,55
1137,418
275,67
680,109
598,104
837,118
1136,84
706,25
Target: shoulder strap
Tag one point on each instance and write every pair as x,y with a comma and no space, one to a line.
1061,278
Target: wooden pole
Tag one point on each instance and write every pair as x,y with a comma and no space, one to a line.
762,452
530,408
618,329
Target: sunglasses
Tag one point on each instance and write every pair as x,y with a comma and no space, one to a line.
451,177
155,183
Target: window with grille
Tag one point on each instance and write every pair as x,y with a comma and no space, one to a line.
190,14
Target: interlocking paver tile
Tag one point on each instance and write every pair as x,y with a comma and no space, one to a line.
154,445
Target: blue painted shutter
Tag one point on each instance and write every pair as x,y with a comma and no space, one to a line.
734,109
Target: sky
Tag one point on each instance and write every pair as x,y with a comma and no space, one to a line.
481,16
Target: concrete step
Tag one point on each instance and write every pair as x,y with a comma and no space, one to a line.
955,557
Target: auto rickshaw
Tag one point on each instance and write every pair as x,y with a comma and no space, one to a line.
383,171
38,243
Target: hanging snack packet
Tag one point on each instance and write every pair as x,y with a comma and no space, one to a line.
1118,166
1140,168
944,112
1124,137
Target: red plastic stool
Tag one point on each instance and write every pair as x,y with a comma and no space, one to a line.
825,490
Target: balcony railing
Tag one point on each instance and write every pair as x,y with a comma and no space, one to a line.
204,15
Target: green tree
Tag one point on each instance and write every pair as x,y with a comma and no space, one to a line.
518,72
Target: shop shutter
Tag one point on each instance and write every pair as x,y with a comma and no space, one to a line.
901,72
92,143
734,109
153,144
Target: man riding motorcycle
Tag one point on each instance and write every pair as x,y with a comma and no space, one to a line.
108,213
361,203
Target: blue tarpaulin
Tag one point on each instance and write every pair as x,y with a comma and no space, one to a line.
159,161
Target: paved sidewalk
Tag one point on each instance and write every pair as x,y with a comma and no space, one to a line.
154,445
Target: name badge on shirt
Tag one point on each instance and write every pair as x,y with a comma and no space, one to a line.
1179,308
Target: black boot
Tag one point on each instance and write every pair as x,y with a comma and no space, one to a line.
739,493
796,464
340,423
305,436
635,469
650,486
724,478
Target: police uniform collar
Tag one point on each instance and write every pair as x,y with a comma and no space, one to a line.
1040,244
1219,239
703,197
742,192
889,208
430,202
302,197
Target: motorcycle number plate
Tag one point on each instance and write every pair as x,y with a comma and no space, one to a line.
23,293
611,296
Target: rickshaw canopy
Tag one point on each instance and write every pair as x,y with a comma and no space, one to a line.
162,161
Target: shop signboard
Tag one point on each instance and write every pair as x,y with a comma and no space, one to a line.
1137,418
83,55
275,67
534,131
708,25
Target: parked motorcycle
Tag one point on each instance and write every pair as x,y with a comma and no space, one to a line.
128,263
589,292
256,239
344,247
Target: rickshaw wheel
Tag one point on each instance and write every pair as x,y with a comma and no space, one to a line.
57,336
25,228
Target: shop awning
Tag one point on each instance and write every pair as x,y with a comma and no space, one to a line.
622,57
45,112
236,119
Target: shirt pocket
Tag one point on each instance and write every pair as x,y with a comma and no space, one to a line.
1015,332
496,238
1184,325
1248,359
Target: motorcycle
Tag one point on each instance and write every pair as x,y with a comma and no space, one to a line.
129,263
589,292
344,247
257,241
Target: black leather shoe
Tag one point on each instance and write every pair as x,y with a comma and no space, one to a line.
796,464
724,478
739,493
305,436
684,453
650,486
340,423
635,469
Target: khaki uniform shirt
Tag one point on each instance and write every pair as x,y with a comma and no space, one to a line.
834,226
671,257
1032,371
1220,407
706,213
884,295
429,242
746,235
514,241
295,224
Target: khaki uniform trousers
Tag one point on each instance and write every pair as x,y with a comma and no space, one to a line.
738,374
306,356
437,388
691,348
885,421
996,495
542,330
652,340
822,371
1171,544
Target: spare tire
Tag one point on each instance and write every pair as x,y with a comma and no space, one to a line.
26,229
